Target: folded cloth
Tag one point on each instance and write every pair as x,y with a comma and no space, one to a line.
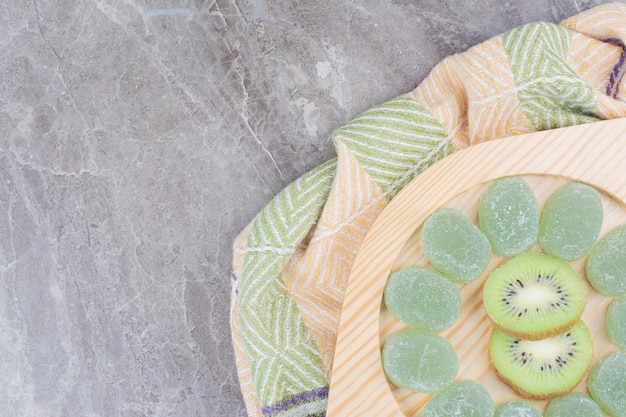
292,262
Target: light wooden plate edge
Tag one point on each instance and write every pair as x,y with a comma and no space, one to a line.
592,153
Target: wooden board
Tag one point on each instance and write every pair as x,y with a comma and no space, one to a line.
594,154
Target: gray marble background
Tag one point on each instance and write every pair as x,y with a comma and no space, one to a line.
138,137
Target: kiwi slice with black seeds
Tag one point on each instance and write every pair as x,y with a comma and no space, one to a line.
542,369
534,296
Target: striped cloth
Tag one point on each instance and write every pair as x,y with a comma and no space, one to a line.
291,263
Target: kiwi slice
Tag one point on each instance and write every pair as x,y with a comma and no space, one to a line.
534,296
542,369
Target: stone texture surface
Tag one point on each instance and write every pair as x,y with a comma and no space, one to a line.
138,137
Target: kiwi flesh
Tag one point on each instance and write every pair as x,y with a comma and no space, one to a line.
542,369
534,296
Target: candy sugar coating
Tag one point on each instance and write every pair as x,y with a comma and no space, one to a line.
508,215
517,409
574,404
607,384
616,322
454,245
422,298
571,221
461,399
606,264
419,361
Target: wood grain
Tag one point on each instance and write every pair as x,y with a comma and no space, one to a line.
593,153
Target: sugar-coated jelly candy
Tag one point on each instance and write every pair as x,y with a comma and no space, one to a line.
419,361
508,215
517,409
616,323
571,221
606,264
574,404
454,245
607,384
463,398
422,298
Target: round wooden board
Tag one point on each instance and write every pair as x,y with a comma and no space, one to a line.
593,153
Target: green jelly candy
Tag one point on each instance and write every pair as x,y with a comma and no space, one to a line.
575,404
571,221
508,215
463,399
517,409
422,298
606,264
607,384
419,361
616,322
454,245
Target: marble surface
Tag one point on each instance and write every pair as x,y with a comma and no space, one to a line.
138,137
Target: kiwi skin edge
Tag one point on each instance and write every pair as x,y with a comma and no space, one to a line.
530,395
540,335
